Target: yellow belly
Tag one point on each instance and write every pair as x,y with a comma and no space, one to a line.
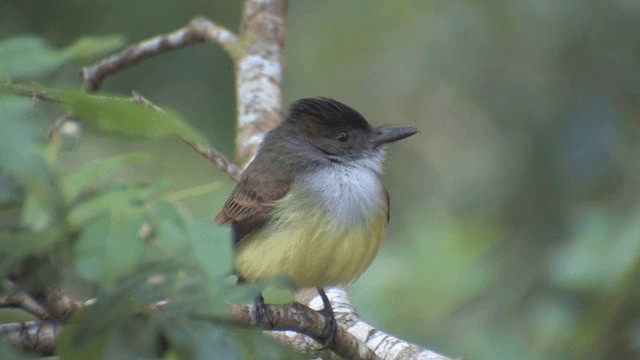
310,247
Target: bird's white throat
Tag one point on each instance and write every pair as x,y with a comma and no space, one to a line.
351,191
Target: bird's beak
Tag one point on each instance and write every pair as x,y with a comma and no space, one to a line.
382,136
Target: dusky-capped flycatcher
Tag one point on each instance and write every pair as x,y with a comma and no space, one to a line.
311,204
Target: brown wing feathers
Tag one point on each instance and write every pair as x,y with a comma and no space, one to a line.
248,207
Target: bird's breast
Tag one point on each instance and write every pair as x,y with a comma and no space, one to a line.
325,231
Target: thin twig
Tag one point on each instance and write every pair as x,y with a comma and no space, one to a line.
57,125
31,92
24,303
138,98
198,30
213,155
217,158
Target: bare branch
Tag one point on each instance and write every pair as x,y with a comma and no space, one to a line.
306,321
198,30
217,158
24,303
60,305
385,345
57,125
33,336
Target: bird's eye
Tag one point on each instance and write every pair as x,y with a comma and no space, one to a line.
342,136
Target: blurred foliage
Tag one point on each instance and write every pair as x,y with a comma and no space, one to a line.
31,56
515,222
126,244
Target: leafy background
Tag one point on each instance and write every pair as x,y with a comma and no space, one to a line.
515,230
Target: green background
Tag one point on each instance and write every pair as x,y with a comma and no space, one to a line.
515,220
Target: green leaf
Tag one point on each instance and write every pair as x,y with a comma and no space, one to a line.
22,139
36,213
208,245
199,339
121,115
110,246
112,199
19,245
169,223
213,248
144,345
74,182
30,56
193,339
115,114
85,336
23,165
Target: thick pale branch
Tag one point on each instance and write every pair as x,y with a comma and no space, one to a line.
259,74
385,345
198,30
307,321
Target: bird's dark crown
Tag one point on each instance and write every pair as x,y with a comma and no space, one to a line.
326,112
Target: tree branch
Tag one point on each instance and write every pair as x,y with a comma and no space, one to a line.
259,74
24,303
198,30
33,336
58,305
385,345
307,321
216,158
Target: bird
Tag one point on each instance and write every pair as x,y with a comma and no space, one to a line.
311,205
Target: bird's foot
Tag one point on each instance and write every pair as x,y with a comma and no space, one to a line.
330,332
261,313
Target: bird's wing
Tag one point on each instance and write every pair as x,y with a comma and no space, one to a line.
249,206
